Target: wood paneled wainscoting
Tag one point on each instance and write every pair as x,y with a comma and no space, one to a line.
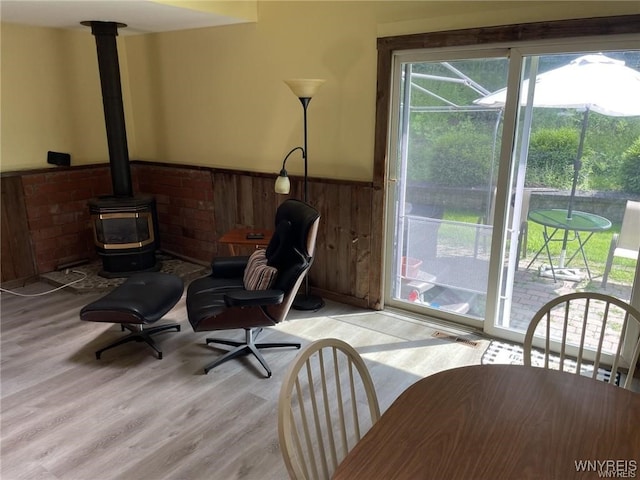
196,205
17,254
45,218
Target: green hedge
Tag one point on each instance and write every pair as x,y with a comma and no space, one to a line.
552,153
456,150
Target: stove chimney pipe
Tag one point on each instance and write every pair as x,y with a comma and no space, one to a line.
105,33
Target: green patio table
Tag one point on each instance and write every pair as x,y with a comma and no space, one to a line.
558,220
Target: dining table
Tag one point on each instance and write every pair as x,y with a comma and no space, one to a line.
501,422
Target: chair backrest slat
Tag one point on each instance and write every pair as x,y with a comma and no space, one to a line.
328,421
307,434
342,419
583,332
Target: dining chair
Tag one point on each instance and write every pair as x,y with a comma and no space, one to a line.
626,243
327,403
585,333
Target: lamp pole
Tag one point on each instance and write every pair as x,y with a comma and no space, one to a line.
304,89
305,103
306,301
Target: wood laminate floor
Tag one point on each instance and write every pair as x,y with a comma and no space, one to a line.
129,416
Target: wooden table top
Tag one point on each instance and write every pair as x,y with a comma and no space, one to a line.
238,236
500,421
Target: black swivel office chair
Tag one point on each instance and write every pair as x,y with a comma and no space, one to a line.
254,292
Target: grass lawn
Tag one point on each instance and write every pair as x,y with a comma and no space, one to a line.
596,249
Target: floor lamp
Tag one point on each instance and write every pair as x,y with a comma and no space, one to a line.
304,89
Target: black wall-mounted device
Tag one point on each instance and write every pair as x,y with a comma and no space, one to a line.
60,159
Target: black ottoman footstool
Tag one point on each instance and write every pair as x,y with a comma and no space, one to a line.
142,299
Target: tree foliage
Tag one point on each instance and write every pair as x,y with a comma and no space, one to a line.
452,147
630,168
461,158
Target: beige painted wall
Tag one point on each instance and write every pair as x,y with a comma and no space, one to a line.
51,99
225,103
215,96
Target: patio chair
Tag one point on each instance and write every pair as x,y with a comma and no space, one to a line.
484,228
589,329
627,243
327,403
523,229
523,232
488,219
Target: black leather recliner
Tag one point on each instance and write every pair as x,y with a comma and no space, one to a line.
222,301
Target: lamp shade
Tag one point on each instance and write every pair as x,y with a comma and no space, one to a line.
304,87
283,186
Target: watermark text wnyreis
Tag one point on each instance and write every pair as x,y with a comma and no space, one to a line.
608,468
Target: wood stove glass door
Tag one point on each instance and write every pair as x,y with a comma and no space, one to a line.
123,230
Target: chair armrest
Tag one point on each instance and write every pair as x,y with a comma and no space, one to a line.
228,267
252,298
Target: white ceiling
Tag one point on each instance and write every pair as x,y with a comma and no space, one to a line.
140,16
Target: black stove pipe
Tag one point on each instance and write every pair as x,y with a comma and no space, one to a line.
105,33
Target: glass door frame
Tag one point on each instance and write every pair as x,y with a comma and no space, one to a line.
393,152
506,165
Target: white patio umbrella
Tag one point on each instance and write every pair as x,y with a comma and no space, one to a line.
597,82
591,83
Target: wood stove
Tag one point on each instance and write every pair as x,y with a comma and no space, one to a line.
125,233
125,225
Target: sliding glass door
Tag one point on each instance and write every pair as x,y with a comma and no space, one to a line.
570,179
445,181
486,175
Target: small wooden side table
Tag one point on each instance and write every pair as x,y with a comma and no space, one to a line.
239,237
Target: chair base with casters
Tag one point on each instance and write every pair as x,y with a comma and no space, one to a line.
248,347
141,300
140,334
209,307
